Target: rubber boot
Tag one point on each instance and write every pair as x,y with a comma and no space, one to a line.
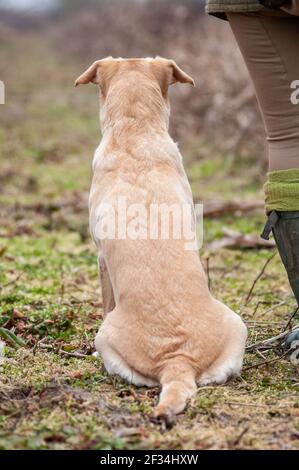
285,228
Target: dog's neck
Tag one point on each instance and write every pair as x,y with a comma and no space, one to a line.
134,112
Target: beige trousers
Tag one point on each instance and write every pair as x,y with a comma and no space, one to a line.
269,43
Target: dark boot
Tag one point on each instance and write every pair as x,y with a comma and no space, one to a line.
285,228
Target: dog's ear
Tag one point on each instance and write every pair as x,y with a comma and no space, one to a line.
178,75
168,72
90,75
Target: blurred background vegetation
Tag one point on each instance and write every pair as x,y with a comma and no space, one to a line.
45,45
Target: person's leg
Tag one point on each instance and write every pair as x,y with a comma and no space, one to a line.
268,45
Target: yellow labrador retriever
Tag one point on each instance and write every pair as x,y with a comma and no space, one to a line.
161,325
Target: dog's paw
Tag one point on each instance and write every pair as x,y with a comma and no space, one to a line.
164,417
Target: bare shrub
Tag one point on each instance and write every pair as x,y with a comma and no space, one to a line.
222,109
221,112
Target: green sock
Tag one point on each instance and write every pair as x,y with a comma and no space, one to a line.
282,190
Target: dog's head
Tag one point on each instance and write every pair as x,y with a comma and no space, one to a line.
141,84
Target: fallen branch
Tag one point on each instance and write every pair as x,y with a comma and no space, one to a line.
215,209
79,201
240,240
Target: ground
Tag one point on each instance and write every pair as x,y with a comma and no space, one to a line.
50,291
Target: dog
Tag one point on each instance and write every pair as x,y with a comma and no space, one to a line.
161,324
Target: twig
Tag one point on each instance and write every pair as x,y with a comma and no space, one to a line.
261,354
268,342
258,278
75,301
269,309
290,319
238,438
253,405
274,307
11,282
62,287
62,352
269,361
256,308
237,403
267,323
208,272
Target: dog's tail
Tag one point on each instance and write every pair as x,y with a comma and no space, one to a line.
178,385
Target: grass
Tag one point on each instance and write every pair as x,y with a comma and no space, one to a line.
50,292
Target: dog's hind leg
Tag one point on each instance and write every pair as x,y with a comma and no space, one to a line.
107,289
229,363
116,364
